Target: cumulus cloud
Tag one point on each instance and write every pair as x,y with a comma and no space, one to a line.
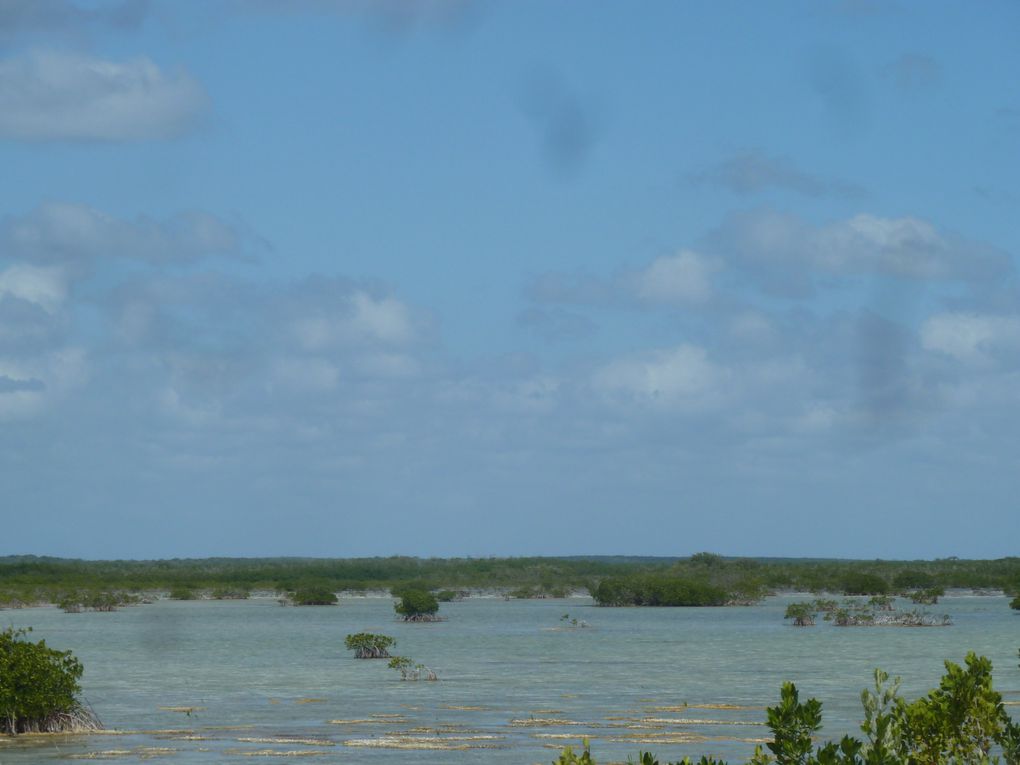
347,317
787,253
48,96
29,383
681,278
44,287
680,376
972,337
59,232
753,172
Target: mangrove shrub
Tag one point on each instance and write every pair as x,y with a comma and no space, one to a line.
417,606
367,645
39,687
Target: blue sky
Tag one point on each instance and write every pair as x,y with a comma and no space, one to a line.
456,277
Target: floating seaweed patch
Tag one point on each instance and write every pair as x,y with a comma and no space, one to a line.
545,722
310,701
276,752
682,707
287,740
464,708
142,752
443,743
697,721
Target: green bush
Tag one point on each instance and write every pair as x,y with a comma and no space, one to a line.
959,723
417,605
367,645
861,583
658,590
314,596
1015,603
39,687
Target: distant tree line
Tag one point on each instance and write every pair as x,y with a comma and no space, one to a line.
700,579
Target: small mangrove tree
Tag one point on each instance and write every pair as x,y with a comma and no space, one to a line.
39,688
368,645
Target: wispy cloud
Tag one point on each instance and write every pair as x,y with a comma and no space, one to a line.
46,96
754,172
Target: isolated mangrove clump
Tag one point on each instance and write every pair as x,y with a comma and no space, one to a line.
803,614
76,602
367,645
410,670
39,688
417,606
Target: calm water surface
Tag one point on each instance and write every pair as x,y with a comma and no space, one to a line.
275,684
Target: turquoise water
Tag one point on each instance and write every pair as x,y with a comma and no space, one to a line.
514,687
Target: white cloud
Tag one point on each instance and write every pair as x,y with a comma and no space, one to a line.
30,384
786,252
681,278
353,318
74,233
45,287
971,337
49,96
680,375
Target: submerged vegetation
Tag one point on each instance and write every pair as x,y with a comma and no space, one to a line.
878,611
410,670
961,721
701,579
39,688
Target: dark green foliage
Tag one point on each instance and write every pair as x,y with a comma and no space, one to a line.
959,720
1015,603
658,590
30,580
448,596
863,583
182,593
367,645
927,597
320,595
38,687
803,614
417,605
958,723
913,579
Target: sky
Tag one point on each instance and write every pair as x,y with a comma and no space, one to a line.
470,278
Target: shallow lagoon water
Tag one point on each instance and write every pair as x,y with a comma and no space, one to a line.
276,684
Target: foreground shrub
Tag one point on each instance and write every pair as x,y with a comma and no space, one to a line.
39,688
961,722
